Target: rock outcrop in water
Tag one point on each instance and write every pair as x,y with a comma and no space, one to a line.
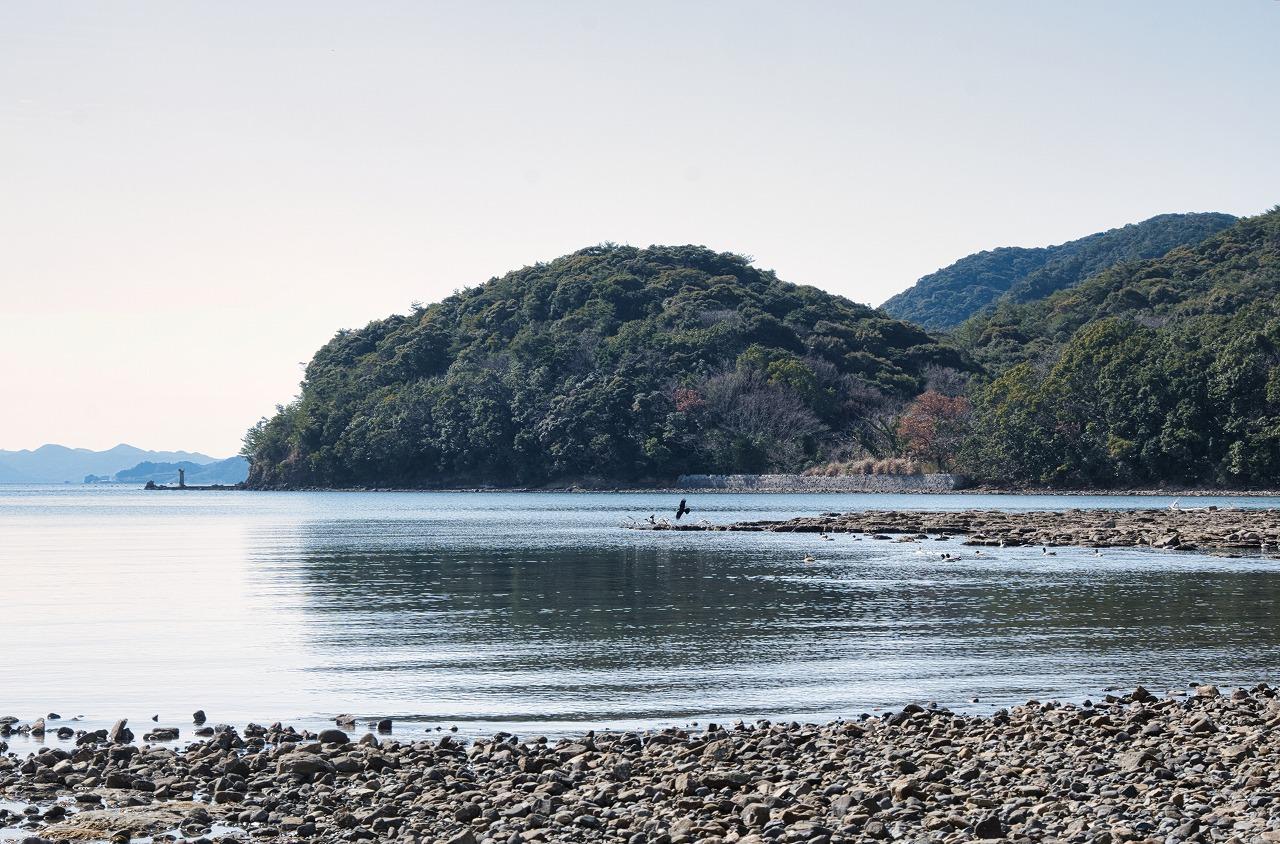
1136,768
1209,528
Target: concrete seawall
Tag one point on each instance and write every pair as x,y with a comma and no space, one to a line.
819,483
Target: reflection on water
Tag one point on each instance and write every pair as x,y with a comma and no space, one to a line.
538,612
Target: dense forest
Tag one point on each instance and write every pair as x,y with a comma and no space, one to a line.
1160,371
612,363
946,298
635,365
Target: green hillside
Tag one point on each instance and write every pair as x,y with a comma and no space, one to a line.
615,363
1160,371
946,298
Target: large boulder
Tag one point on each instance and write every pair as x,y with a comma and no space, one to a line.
120,732
333,737
303,766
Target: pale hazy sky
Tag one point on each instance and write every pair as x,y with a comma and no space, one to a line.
195,196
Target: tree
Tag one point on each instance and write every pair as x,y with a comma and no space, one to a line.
933,427
613,363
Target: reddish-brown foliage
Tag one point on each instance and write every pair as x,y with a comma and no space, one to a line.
687,399
933,426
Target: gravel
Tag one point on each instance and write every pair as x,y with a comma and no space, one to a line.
1194,766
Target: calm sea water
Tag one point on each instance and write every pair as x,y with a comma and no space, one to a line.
536,613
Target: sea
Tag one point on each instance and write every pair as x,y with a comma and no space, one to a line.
541,614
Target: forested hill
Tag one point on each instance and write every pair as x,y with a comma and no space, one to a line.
946,298
1165,371
615,363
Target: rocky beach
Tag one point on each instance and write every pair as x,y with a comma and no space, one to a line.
1193,765
496,615
1191,529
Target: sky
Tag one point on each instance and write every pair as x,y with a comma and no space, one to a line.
194,196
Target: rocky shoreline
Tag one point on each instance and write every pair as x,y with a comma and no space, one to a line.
1193,766
1191,529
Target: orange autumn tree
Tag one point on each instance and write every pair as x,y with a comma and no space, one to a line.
933,427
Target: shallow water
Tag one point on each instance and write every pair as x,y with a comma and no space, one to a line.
536,613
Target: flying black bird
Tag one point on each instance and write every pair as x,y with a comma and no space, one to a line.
681,510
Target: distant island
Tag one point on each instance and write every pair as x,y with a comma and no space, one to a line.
57,464
1148,355
233,470
626,364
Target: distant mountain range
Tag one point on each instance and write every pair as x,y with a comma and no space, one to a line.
233,470
946,298
55,464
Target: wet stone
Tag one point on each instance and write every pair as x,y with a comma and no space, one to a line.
1133,767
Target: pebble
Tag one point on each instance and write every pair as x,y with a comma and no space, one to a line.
1132,767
